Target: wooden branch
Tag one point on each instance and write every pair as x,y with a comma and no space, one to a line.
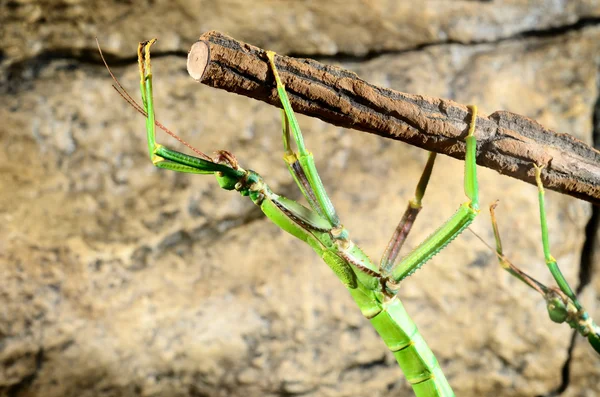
507,142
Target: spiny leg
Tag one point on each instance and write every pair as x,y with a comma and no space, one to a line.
296,170
453,226
302,164
410,214
556,300
161,156
550,261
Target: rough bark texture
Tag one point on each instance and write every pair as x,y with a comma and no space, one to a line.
507,142
118,279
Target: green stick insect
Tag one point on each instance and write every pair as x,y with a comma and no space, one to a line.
561,302
373,287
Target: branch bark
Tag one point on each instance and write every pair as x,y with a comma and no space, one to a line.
507,142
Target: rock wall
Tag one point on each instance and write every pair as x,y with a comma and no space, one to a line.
118,279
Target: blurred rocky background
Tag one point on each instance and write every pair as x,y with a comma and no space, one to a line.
118,279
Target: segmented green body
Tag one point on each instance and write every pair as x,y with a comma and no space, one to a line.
360,275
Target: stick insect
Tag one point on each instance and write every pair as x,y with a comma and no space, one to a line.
373,287
561,302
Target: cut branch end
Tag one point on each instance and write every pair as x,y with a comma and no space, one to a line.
197,60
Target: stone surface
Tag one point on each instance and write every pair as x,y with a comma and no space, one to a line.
51,28
119,279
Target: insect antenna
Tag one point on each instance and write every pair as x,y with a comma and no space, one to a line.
125,95
507,265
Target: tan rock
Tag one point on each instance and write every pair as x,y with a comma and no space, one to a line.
119,279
